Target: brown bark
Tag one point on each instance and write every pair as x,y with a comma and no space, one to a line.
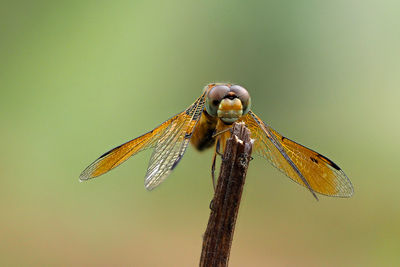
218,237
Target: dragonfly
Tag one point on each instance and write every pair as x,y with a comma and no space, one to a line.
205,124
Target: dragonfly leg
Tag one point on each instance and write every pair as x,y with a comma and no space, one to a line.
212,205
217,152
213,170
221,132
217,146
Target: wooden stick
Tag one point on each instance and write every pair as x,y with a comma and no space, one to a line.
218,237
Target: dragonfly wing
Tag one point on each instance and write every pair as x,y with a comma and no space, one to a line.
119,154
172,144
152,139
301,164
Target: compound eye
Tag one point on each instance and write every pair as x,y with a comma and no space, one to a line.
244,97
214,97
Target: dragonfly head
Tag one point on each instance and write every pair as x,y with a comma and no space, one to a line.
227,102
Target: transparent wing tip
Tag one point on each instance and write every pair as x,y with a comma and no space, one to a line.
85,175
150,185
349,192
345,188
153,181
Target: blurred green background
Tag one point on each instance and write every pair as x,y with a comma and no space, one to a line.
79,77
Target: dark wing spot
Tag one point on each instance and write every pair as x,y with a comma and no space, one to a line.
283,138
187,136
314,160
108,152
330,162
176,163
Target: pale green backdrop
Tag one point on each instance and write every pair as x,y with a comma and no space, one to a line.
79,77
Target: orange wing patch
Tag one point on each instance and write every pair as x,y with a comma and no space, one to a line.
299,163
